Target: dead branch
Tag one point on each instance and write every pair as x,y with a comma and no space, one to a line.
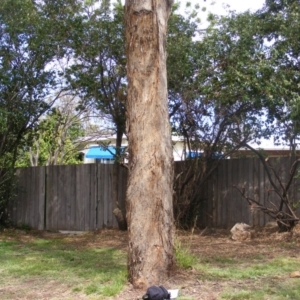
264,162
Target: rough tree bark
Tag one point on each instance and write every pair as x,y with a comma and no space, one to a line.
149,191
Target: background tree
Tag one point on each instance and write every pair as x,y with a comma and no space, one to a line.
25,82
245,88
98,74
33,36
55,140
279,25
149,191
220,107
182,32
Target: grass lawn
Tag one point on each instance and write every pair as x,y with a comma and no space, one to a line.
74,262
42,265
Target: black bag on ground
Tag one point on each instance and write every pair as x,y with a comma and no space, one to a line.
156,293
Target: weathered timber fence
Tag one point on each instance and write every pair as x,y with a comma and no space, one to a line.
79,197
222,205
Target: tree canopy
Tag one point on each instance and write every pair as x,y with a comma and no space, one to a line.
24,80
98,74
244,87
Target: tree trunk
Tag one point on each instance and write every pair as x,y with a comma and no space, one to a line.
149,190
118,212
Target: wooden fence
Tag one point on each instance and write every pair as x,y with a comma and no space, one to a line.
222,205
79,197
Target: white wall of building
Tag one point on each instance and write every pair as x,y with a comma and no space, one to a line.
111,140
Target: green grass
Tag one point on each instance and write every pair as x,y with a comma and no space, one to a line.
101,272
184,258
257,278
265,291
83,269
219,269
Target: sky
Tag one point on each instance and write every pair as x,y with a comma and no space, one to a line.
220,7
238,5
217,7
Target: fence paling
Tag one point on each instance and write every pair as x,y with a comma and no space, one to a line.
79,197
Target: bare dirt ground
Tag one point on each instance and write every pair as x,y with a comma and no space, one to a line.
208,244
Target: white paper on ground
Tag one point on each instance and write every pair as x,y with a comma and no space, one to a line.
173,293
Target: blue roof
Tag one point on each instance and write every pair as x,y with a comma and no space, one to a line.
101,153
193,154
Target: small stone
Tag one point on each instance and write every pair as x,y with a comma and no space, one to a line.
241,232
295,274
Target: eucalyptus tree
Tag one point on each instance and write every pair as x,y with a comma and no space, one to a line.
149,191
98,73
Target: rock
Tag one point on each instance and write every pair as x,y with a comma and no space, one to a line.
241,232
295,274
271,224
71,232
